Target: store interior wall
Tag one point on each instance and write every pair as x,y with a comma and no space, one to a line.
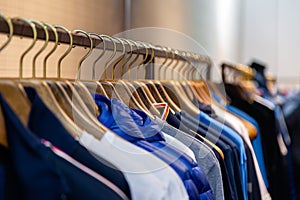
212,24
271,33
237,31
100,16
232,30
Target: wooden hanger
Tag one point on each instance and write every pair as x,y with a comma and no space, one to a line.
200,89
135,99
141,89
184,101
148,85
183,83
138,84
78,103
12,92
95,86
187,83
159,91
49,99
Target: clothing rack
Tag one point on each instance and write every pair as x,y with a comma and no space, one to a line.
20,28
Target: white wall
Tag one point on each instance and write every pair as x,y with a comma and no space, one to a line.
233,30
214,24
271,32
260,32
289,41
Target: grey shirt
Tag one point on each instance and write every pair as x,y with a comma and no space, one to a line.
205,157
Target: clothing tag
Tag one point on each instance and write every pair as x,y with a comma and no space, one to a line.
166,110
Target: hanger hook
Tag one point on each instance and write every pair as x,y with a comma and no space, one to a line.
151,58
43,47
205,70
34,33
91,47
179,57
152,52
111,56
67,51
100,56
11,30
52,50
190,65
176,52
144,60
164,62
186,66
169,64
190,70
118,60
128,58
135,58
198,68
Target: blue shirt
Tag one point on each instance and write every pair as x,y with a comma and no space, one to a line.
256,142
136,127
236,138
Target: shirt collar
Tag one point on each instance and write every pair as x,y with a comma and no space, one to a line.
134,124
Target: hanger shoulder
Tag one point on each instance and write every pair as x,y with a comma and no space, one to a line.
166,97
87,98
184,102
48,98
153,90
16,98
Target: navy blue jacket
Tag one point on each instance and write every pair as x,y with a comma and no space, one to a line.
41,174
46,126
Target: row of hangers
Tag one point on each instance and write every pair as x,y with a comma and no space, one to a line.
70,99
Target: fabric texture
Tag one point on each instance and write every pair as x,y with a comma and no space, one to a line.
204,156
39,119
136,127
41,173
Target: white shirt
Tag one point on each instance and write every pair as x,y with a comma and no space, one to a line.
148,177
179,145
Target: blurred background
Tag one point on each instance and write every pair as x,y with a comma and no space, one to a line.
239,31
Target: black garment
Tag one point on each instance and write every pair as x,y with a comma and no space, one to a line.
260,75
46,126
253,186
276,163
225,177
43,174
291,110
